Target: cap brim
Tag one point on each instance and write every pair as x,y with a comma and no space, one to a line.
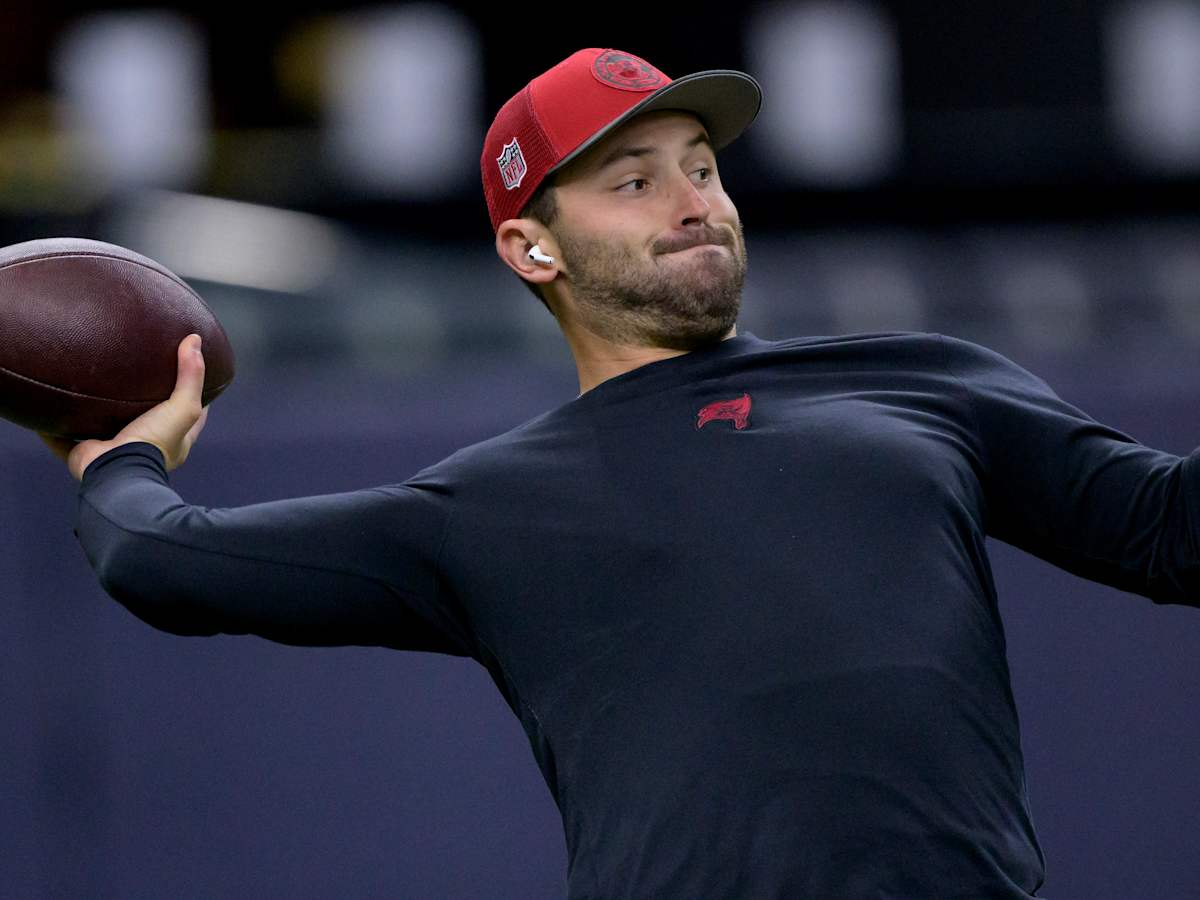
725,100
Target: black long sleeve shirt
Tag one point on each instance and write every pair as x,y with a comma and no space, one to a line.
739,599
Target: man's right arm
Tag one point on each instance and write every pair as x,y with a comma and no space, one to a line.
351,568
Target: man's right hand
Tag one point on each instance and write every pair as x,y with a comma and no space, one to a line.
172,426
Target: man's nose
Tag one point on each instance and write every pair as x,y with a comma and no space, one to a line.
691,207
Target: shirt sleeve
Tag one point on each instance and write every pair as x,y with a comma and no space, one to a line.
352,568
1077,493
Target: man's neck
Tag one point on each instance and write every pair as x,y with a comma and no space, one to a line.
597,359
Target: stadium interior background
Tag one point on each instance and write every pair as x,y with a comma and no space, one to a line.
1021,174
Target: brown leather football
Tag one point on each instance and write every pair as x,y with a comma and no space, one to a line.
88,336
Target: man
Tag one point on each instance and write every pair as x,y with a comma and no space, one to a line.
737,590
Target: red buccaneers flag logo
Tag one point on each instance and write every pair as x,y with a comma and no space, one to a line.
737,411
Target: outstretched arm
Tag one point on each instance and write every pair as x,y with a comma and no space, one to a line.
351,568
1077,493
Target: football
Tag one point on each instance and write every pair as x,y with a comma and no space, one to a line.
88,336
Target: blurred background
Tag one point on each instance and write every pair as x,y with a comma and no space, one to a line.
1021,174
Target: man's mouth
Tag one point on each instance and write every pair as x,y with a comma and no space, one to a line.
694,246
710,239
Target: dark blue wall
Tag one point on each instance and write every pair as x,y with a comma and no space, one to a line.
142,765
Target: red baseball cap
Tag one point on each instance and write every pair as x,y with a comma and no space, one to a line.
565,110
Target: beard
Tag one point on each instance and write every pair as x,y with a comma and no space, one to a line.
680,301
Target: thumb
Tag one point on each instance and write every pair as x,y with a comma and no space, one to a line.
189,380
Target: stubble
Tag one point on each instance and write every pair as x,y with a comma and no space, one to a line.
680,301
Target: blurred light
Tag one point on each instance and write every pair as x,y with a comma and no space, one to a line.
403,96
832,115
231,242
134,97
1154,74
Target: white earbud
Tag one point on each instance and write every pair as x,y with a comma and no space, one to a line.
537,256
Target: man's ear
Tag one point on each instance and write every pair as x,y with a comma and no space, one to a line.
515,238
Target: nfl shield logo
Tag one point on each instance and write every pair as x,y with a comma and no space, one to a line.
512,165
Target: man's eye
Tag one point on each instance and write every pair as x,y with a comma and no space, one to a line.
704,172
636,186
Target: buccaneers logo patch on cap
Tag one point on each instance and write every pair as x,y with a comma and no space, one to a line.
627,72
512,165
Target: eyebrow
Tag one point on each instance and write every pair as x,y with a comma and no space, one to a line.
621,153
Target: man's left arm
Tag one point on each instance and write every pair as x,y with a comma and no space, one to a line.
1078,493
